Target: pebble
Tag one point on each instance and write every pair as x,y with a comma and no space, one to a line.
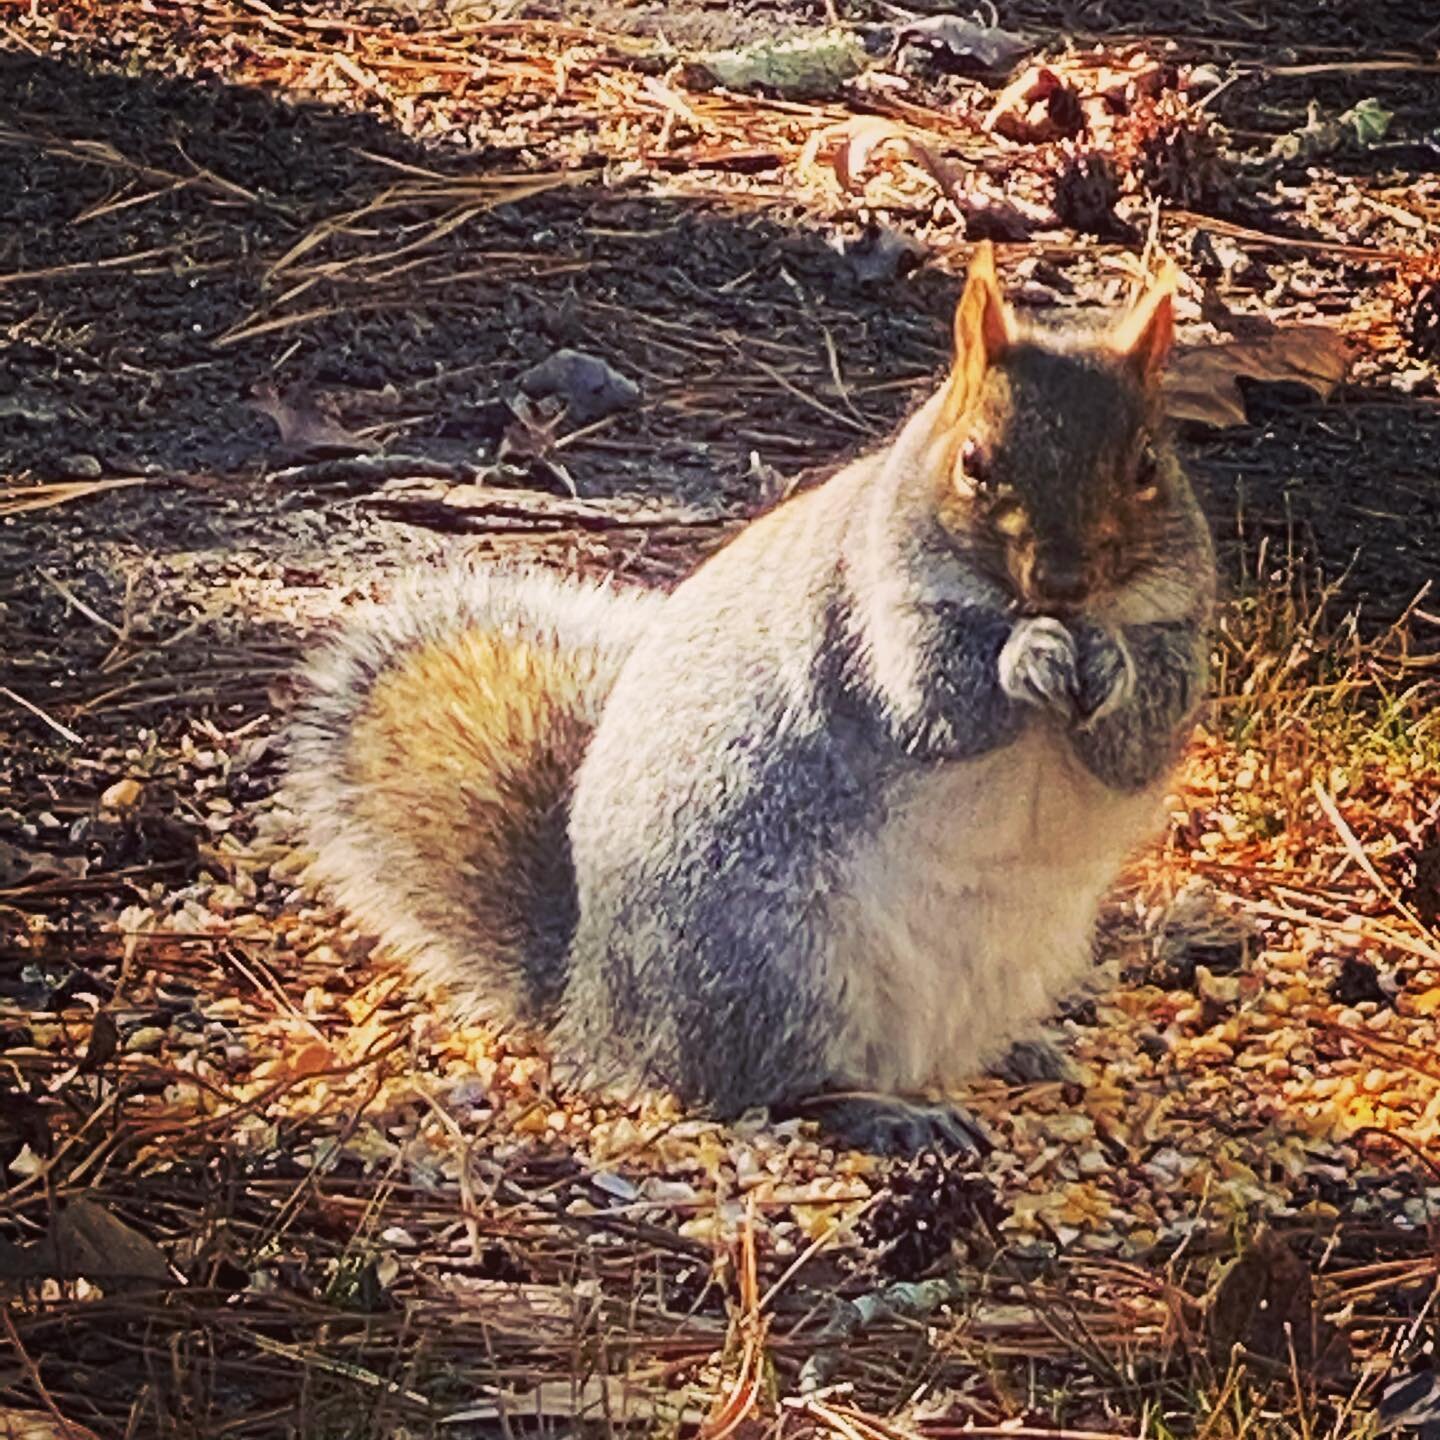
146,1040
80,467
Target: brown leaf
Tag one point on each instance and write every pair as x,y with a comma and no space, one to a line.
304,427
1201,383
1048,101
104,1042
1266,1304
1037,106
88,1240
312,1059
859,139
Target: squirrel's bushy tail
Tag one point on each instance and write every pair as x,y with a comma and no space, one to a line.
431,756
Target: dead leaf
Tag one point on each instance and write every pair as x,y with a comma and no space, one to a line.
86,1239
1087,190
851,146
103,1043
1201,383
19,866
305,428
1047,102
1266,1303
312,1059
1036,106
989,47
40,1425
597,1395
1121,85
1427,1002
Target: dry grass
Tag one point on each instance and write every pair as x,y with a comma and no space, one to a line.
372,1223
256,1187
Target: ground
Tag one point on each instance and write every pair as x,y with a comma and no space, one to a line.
270,276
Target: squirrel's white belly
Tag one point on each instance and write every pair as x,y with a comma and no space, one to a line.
970,914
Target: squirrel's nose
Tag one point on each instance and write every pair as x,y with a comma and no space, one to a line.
1060,581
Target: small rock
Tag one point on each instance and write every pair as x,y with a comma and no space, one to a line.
1152,1043
590,387
145,1040
614,1185
80,467
122,795
1202,79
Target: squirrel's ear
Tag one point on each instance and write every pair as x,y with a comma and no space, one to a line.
1144,337
984,328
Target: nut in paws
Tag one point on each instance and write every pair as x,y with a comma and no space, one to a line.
1039,666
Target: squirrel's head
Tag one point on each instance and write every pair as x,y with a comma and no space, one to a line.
1053,453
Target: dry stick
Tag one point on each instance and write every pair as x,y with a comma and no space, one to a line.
32,1370
20,499
16,38
62,730
269,986
1022,1432
829,412
110,262
99,152
841,387
1348,67
1375,933
1375,254
71,598
10,1198
836,1419
307,1357
739,1404
125,202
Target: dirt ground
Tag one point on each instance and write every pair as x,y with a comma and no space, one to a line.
270,276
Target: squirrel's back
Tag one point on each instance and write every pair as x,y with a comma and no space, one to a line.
431,755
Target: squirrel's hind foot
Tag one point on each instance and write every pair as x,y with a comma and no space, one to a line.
890,1125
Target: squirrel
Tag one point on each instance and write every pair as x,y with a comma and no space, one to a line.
830,823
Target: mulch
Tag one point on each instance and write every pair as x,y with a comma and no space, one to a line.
270,283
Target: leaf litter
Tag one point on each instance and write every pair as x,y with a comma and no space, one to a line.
328,1168
1202,385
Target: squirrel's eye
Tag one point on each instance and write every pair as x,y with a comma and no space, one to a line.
974,463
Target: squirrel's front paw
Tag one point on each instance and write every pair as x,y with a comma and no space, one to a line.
1107,676
1039,666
